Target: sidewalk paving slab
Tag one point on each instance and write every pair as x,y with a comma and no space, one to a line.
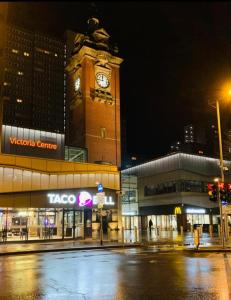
19,249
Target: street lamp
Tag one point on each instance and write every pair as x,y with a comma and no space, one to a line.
222,171
221,168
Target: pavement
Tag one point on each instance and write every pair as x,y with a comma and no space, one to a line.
163,242
57,246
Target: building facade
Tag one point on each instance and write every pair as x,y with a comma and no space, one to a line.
53,199
33,86
172,190
93,96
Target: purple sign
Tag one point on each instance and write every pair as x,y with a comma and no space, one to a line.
84,199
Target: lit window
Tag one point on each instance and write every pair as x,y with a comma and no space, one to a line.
103,132
26,54
19,100
20,73
14,51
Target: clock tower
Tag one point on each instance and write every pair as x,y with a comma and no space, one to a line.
93,96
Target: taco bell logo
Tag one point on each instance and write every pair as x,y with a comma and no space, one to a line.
84,199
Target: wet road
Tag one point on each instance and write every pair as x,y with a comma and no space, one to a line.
116,274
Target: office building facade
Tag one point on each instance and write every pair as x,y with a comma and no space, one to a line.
33,86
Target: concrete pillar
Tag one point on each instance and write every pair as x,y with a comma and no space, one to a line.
119,210
211,230
181,221
122,234
135,234
109,233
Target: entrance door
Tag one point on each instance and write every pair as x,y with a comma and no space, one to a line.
105,224
69,224
79,226
87,223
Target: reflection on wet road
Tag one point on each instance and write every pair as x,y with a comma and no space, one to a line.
116,274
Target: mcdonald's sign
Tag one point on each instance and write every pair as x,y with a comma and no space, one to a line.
177,210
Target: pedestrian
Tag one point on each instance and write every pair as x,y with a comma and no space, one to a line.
150,225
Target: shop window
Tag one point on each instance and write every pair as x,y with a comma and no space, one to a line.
176,186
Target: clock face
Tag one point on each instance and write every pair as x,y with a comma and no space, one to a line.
102,80
77,84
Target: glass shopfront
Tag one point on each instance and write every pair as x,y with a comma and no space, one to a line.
69,215
41,223
163,222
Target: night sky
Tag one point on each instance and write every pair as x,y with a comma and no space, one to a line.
175,55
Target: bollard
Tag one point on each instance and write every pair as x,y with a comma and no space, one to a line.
197,238
211,230
181,230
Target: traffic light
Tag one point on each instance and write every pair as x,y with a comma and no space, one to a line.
223,193
212,192
229,193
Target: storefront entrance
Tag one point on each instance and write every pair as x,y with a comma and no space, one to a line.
41,224
73,224
163,222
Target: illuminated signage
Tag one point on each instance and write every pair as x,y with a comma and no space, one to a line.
31,143
177,210
195,211
61,199
107,200
83,199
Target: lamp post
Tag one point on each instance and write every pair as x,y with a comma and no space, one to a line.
222,172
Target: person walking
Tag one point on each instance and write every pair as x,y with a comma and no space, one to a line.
150,224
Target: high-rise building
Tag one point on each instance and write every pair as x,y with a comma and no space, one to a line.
93,96
33,86
189,134
194,140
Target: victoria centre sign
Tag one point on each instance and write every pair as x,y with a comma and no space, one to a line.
82,199
31,143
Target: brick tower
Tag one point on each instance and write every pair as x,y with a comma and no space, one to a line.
93,96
